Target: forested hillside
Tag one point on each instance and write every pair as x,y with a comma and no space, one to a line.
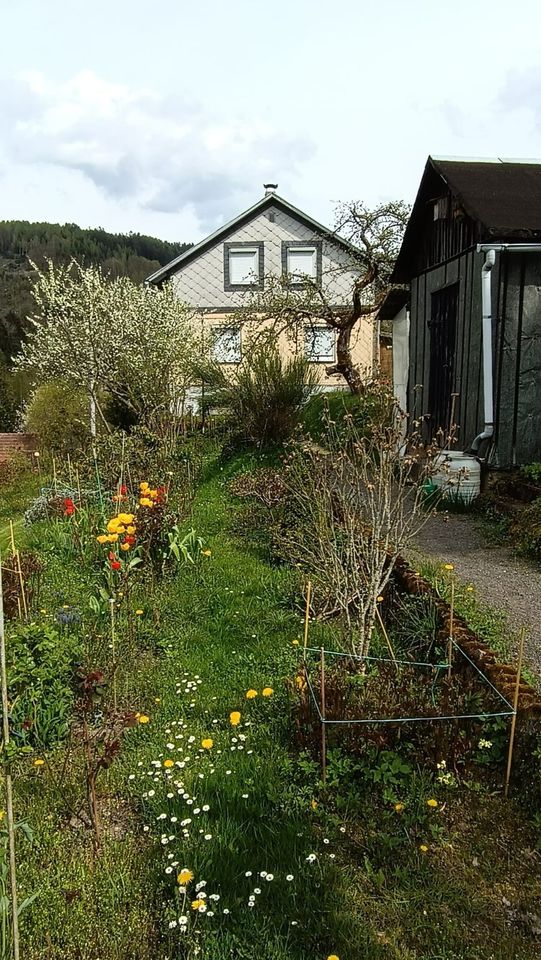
133,255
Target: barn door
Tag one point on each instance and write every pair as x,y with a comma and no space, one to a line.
442,324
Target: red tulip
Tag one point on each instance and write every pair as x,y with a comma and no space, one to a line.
115,564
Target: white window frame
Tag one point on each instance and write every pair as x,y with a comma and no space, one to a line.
296,276
226,344
311,356
291,248
252,280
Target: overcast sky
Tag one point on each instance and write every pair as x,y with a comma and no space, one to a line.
166,118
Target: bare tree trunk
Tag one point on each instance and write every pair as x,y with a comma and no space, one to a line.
344,361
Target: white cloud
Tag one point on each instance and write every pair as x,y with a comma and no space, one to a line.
165,153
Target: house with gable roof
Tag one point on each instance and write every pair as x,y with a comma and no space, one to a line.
271,237
466,311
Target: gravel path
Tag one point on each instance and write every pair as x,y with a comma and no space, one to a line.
501,579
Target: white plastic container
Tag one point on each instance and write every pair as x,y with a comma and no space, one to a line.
457,475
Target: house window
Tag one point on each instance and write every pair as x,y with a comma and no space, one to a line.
301,261
226,345
319,344
243,266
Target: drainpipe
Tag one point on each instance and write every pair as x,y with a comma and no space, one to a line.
486,299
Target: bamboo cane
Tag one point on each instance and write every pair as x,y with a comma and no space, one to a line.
514,717
451,629
307,614
8,782
385,634
54,477
121,483
323,732
113,647
79,488
17,560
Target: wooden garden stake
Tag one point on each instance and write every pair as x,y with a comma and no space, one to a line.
514,717
54,476
323,732
451,629
69,470
113,647
307,614
17,561
385,634
7,778
78,487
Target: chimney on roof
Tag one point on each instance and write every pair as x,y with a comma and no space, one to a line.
270,188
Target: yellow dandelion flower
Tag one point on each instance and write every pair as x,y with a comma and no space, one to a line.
207,553
313,804
139,613
379,599
234,718
448,566
399,807
157,699
38,762
168,763
184,877
423,848
143,718
267,692
432,803
207,743
469,588
197,903
2,815
251,694
295,643
333,956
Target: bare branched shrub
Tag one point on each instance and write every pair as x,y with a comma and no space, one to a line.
353,505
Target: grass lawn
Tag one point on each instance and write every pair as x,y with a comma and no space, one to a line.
292,869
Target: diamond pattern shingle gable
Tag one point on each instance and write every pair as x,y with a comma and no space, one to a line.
200,282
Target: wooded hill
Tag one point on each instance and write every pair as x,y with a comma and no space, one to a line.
133,255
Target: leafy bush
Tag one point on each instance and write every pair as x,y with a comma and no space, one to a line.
58,415
532,471
526,530
264,397
41,663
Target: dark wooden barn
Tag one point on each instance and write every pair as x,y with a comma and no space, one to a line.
474,219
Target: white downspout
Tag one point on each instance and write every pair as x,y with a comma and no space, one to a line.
486,300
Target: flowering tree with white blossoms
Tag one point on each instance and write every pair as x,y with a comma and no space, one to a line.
135,343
